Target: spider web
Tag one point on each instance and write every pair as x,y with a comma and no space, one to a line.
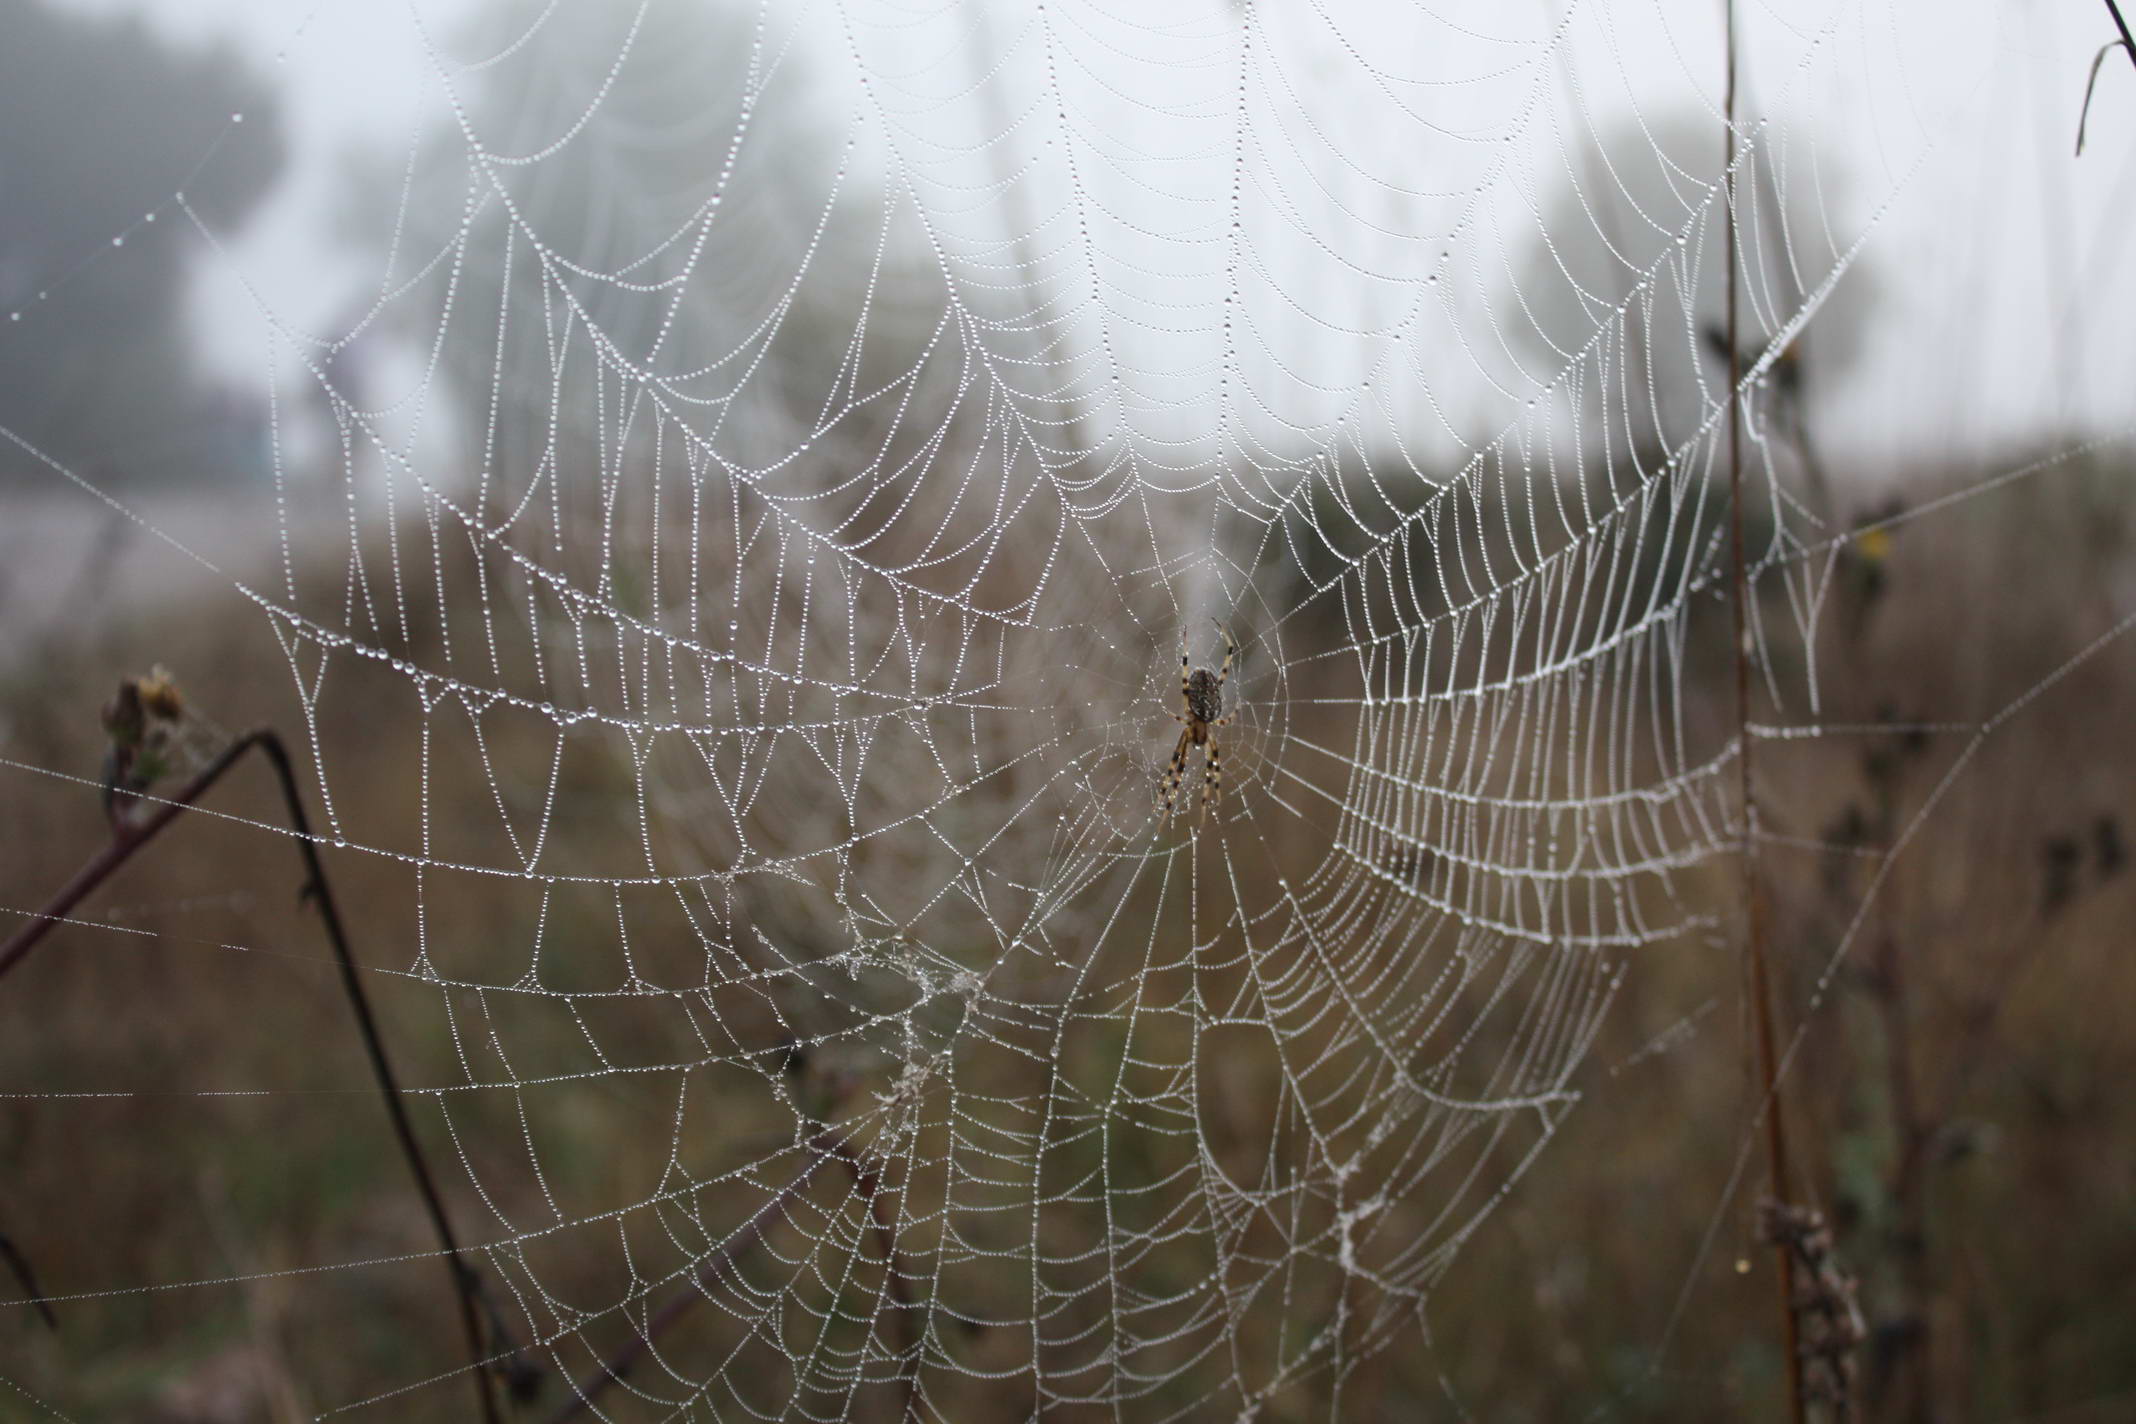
828,430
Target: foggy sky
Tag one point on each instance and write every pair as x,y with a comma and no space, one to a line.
1994,250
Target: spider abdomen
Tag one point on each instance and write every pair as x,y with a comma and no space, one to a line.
1205,696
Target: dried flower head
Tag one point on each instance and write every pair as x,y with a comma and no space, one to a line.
154,734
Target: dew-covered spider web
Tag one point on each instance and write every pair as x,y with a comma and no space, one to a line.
729,558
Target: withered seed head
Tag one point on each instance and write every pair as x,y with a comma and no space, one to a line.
160,695
123,716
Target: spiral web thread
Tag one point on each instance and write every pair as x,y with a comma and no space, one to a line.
847,420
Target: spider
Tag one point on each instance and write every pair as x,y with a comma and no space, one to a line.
1203,693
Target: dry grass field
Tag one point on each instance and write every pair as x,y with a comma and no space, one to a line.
186,1104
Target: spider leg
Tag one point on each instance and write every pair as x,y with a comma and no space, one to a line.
1174,774
1212,778
1231,650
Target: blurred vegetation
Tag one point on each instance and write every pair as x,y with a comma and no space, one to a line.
1953,1096
1606,237
187,1101
710,225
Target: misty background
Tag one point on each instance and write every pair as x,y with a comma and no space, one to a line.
326,338
1978,337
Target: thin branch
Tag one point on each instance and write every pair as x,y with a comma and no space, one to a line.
2128,41
2084,114
20,1265
125,841
867,1180
823,1147
1759,987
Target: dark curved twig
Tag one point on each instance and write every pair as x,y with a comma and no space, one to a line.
2126,42
2091,83
868,1180
20,1265
2122,25
125,841
823,1147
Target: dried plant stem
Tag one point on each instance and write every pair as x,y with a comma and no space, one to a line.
867,1180
1828,1307
823,1147
125,841
1914,1363
1759,988
123,844
2128,40
2126,43
19,1264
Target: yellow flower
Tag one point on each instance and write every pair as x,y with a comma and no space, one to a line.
1873,545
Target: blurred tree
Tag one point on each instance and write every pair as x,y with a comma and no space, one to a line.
100,122
691,206
1614,215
